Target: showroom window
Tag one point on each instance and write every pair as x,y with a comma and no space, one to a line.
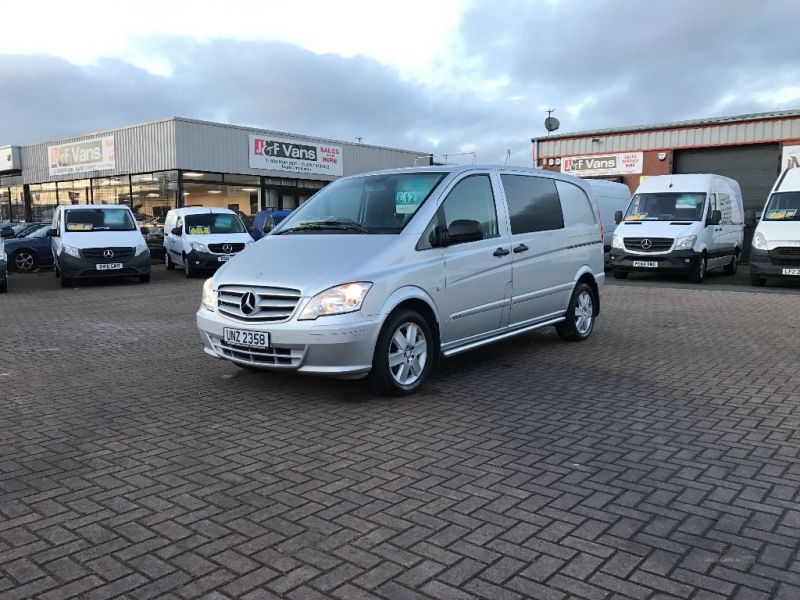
17,203
153,194
5,205
241,199
74,192
44,200
111,190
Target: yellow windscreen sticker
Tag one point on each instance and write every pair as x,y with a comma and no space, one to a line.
79,226
200,230
636,217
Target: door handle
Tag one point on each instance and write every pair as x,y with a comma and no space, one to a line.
520,248
501,252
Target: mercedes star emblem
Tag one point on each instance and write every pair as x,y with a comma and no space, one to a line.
646,244
248,303
227,248
108,254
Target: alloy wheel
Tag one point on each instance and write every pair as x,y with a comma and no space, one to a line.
584,312
408,353
24,261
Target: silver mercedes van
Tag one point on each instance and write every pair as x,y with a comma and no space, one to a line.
382,274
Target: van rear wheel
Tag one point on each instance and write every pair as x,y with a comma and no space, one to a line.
403,355
579,323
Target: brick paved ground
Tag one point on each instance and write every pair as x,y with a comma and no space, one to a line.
637,465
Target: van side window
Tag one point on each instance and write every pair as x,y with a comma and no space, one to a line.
575,205
472,199
712,203
532,203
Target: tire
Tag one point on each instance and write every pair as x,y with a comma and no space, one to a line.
24,261
698,271
188,270
580,315
733,266
168,261
65,282
144,278
410,363
619,274
757,280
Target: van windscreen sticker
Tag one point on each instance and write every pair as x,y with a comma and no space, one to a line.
200,230
79,226
779,215
636,217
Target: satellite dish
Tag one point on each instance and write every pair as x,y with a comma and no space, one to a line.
551,124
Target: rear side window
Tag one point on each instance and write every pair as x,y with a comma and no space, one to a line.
575,205
532,203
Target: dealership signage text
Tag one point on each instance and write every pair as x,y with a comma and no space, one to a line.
610,164
80,157
277,154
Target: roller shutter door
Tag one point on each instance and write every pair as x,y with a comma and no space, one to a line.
754,167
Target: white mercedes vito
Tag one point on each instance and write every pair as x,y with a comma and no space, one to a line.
383,273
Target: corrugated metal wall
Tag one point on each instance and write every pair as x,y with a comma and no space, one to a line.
736,133
204,146
138,149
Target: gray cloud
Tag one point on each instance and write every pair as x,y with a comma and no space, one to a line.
639,62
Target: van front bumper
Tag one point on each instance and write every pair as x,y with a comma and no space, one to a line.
78,268
321,347
207,260
769,263
675,262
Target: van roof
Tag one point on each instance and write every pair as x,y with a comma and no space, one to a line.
93,206
193,210
789,181
689,182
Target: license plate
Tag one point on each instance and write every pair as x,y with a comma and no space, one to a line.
223,258
650,264
108,266
791,271
244,337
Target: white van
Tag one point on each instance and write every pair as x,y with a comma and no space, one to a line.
199,238
381,274
776,242
611,197
680,223
90,241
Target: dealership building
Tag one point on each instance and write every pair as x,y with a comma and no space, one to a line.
752,149
176,162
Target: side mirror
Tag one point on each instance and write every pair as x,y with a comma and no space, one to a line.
463,230
7,232
618,217
715,218
176,231
51,232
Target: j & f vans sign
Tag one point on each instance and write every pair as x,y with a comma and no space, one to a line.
278,154
81,157
627,163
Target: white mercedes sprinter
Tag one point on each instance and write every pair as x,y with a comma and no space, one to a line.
680,223
776,241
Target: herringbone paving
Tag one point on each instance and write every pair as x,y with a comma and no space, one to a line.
658,460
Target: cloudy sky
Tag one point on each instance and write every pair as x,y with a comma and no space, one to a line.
441,76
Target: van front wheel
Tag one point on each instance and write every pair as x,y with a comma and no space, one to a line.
579,323
698,272
731,267
403,355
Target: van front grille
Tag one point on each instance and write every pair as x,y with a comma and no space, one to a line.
640,244
101,255
226,248
266,305
272,356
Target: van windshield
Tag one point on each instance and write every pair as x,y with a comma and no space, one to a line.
667,206
98,219
783,206
369,204
209,223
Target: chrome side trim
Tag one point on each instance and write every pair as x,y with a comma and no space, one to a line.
501,336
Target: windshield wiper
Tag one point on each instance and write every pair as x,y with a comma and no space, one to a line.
341,224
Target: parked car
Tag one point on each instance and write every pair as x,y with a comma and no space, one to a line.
381,274
775,251
90,241
31,250
680,223
266,220
611,197
3,267
200,238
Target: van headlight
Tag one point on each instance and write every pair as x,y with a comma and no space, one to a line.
198,247
72,251
141,249
616,242
759,241
208,295
336,300
685,243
